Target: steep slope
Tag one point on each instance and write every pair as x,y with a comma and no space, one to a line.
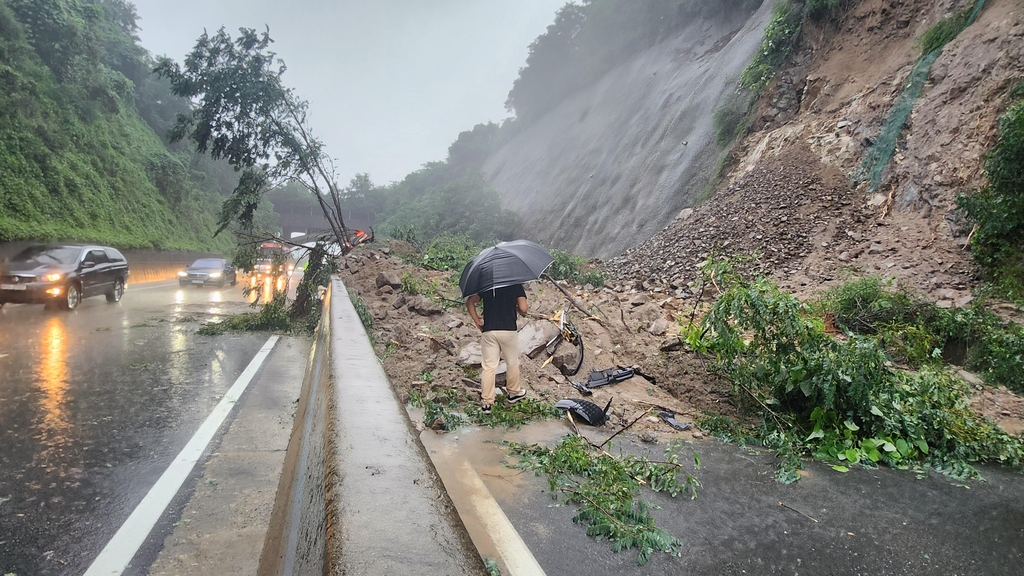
815,124
614,163
77,161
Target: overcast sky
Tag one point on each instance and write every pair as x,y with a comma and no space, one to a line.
391,83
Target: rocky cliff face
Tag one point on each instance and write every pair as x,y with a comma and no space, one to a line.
612,165
789,198
609,171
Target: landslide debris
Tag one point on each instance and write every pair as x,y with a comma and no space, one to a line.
428,344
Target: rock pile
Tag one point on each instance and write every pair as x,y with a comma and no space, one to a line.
779,212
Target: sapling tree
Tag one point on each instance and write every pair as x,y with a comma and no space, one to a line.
243,113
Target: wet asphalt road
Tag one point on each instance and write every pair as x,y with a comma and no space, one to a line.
94,404
880,522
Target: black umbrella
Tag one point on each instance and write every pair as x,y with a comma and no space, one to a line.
506,264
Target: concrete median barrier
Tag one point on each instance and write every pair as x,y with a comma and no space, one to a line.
358,495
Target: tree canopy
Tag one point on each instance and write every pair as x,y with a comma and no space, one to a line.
81,156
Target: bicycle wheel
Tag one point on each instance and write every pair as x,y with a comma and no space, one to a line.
572,356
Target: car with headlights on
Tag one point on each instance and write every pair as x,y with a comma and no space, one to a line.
61,275
208,272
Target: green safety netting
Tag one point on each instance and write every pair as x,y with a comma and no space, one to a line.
874,163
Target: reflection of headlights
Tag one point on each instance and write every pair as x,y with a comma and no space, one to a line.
182,273
53,277
214,274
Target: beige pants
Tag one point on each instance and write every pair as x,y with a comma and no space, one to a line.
493,345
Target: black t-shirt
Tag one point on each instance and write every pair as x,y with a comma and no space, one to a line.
500,307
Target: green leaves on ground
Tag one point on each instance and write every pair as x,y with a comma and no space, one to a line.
450,408
842,399
605,490
303,314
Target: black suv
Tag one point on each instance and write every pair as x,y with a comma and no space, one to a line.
61,275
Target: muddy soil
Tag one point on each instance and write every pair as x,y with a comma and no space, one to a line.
421,340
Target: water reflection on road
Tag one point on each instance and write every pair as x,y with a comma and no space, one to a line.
52,425
93,405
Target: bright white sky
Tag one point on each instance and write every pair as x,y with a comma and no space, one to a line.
391,83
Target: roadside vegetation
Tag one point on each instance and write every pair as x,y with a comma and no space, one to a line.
278,315
82,121
606,490
856,378
781,35
997,242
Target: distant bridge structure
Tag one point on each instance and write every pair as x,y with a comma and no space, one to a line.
310,220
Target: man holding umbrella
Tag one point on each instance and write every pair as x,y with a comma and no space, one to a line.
496,277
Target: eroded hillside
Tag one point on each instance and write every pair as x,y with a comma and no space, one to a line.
612,164
789,193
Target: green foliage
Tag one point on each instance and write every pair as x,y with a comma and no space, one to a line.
410,285
76,160
441,409
997,245
450,252
730,119
306,308
605,490
455,407
512,415
572,268
920,333
779,37
273,316
842,400
362,310
945,30
437,200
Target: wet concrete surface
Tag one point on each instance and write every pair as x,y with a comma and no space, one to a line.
222,528
94,404
878,522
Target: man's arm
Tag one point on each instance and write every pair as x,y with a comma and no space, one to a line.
521,304
471,308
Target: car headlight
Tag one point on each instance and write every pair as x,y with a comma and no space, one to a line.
182,273
53,277
214,274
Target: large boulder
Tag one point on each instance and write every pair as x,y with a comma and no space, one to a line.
534,336
645,315
425,306
660,326
389,278
470,355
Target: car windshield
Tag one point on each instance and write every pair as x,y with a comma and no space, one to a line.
42,255
208,263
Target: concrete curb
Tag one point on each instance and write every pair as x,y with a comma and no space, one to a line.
359,495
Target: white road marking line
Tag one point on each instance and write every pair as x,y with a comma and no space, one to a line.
513,551
129,538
